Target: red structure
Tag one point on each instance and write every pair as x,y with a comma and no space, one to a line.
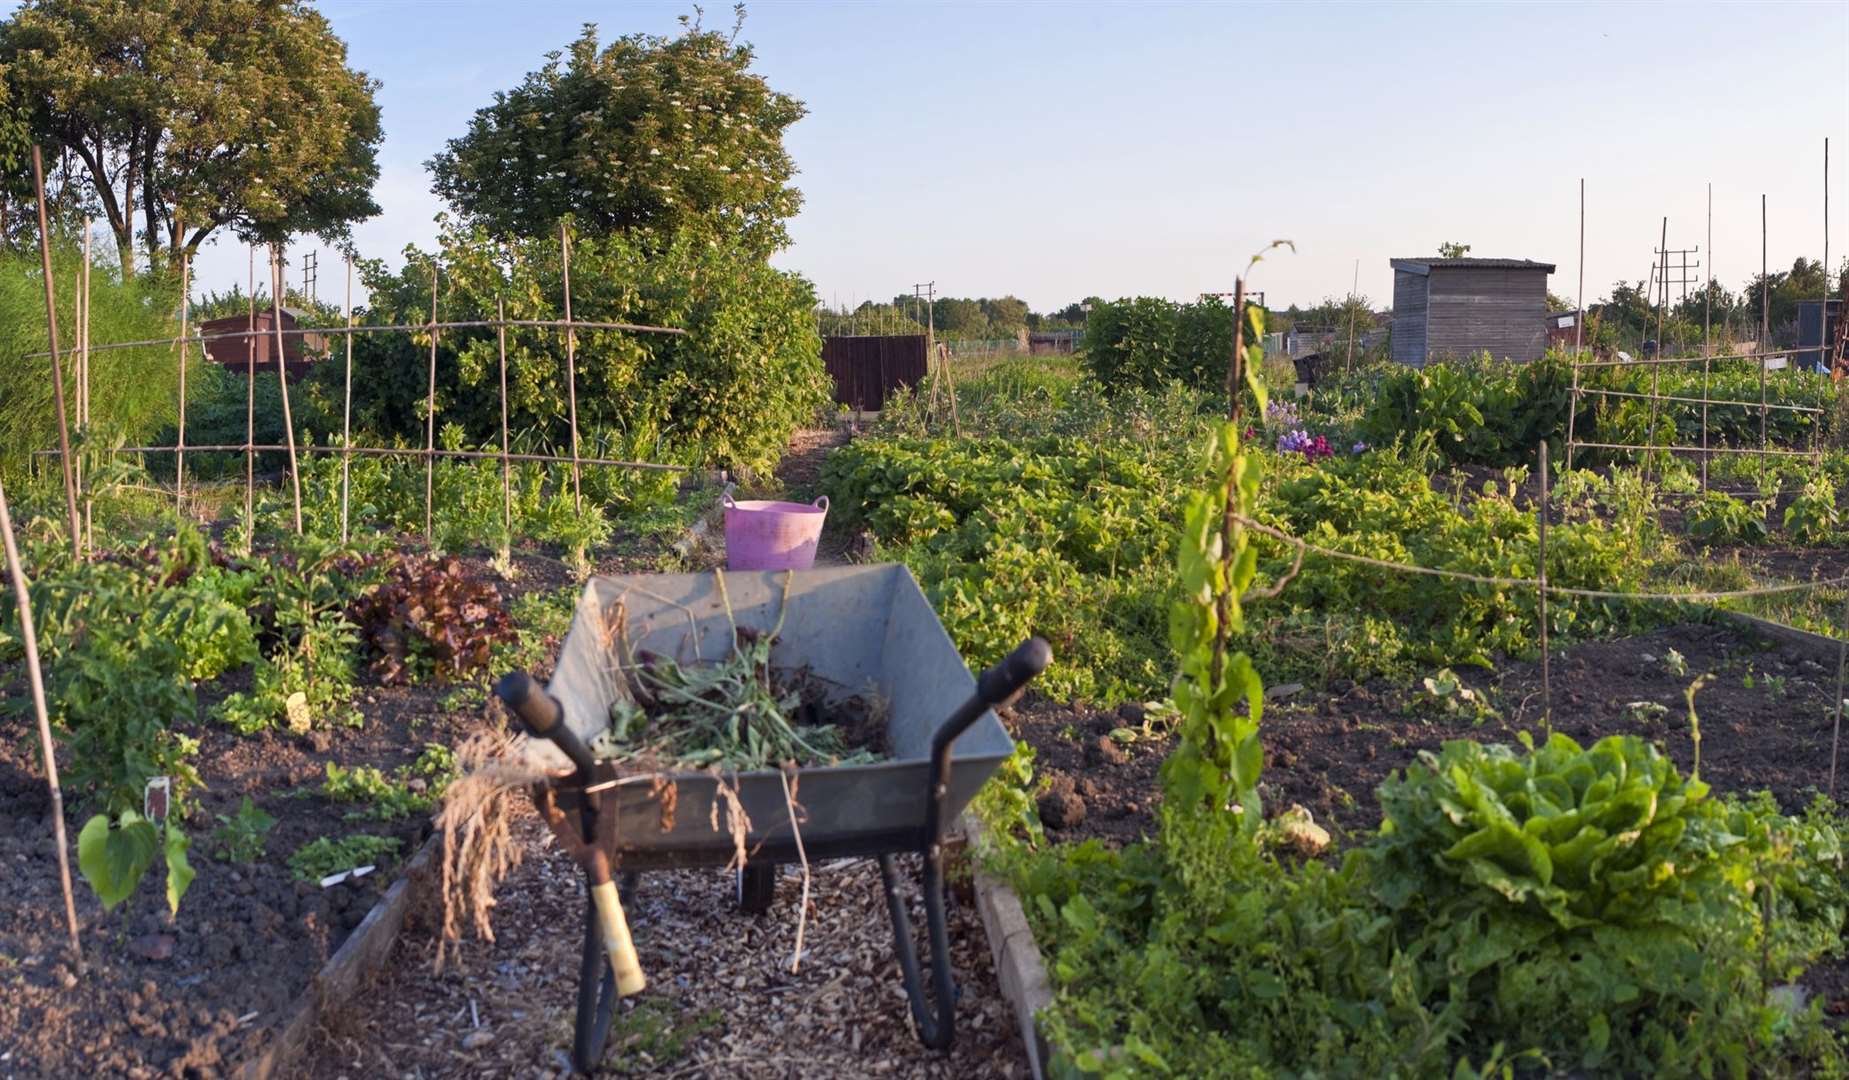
227,343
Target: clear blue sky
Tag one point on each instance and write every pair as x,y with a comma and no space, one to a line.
1055,150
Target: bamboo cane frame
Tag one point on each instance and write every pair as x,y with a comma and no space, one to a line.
57,369
507,468
282,380
250,397
83,391
430,421
23,596
346,411
179,449
571,366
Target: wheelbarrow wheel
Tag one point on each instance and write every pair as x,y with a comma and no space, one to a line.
756,887
596,988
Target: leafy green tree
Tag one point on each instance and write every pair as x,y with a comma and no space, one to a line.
728,391
959,318
1451,249
652,135
1006,315
200,115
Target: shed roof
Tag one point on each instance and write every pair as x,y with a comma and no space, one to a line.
1426,264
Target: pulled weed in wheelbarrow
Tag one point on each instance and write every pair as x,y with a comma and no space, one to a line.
736,714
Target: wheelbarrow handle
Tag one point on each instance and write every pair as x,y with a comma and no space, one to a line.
545,718
996,686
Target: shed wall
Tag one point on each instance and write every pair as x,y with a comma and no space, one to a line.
1478,309
1409,314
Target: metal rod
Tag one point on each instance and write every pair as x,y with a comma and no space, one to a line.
1842,655
282,380
1579,318
571,367
23,597
250,400
1707,344
464,324
391,451
57,370
179,449
1701,400
1547,686
1685,359
346,410
1662,304
507,469
430,420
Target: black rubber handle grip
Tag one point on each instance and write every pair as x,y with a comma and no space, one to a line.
1001,682
544,717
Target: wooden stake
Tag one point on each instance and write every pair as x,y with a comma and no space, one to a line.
430,422
57,368
1579,318
250,398
23,596
1842,656
346,412
83,391
507,468
179,448
1707,344
1547,686
1765,329
1656,369
282,380
571,366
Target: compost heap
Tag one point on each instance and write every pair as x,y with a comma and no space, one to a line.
736,714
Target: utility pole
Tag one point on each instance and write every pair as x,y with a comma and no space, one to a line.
926,293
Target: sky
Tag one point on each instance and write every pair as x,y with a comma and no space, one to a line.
1060,150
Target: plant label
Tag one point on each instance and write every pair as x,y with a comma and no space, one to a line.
297,709
155,799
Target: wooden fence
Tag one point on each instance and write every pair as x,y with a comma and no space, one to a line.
866,368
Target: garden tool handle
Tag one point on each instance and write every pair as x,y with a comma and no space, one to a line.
996,686
542,715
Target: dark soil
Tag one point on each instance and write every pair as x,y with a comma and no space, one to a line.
192,995
1328,750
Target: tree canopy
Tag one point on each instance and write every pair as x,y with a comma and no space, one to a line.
199,115
651,136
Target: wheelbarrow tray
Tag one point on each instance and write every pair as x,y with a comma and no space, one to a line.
860,628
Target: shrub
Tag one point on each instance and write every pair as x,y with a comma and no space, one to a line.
1719,518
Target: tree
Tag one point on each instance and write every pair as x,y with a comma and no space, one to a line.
651,135
1007,315
199,115
1450,249
960,318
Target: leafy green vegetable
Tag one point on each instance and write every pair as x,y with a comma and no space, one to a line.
113,857
325,856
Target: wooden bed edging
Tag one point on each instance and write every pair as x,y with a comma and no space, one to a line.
1018,966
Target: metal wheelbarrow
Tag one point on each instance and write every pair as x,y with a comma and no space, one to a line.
859,628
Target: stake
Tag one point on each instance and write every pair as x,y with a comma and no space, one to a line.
1842,655
507,469
179,447
83,390
1579,317
282,380
1707,345
1572,412
1547,686
250,399
571,366
430,420
57,370
1655,369
346,412
1352,290
37,679
1765,329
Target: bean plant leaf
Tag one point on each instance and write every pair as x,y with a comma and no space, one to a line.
179,872
113,857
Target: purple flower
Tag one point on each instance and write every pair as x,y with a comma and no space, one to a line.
1359,448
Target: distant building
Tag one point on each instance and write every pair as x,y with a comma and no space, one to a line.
1817,329
1563,329
1054,342
1456,307
238,350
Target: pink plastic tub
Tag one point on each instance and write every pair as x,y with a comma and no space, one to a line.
765,535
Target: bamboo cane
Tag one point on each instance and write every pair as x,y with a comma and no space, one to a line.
282,379
57,370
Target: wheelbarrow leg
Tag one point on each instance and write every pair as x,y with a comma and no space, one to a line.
936,1028
596,987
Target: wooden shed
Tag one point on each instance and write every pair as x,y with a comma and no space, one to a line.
1457,307
233,345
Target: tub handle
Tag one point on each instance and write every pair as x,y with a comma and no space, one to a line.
726,499
821,503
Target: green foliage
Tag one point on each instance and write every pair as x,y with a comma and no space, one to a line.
1478,412
1811,518
325,856
411,789
654,136
242,836
728,391
1148,341
126,86
113,857
1719,518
